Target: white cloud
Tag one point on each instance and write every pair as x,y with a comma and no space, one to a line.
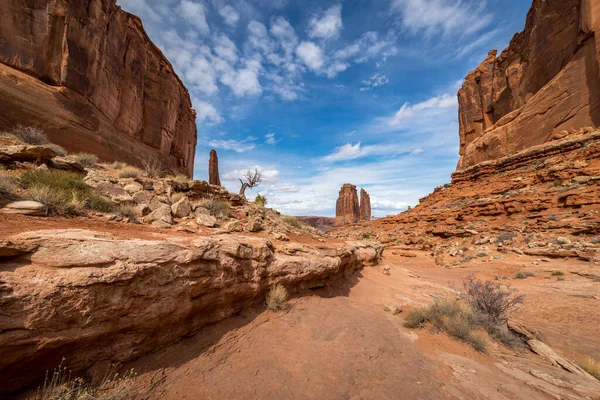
225,48
345,152
229,14
336,68
239,146
284,187
270,139
374,81
259,37
205,112
328,25
408,110
447,17
268,174
311,55
194,14
417,151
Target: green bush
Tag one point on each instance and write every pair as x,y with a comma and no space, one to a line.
524,275
294,222
86,159
261,200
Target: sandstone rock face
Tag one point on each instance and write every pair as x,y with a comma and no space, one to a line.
90,296
365,205
87,73
213,169
347,210
546,81
320,223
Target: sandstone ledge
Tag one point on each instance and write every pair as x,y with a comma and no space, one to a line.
89,296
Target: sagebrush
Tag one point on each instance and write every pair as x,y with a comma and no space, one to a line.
30,135
277,298
216,207
86,159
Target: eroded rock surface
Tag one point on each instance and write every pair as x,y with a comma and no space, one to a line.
347,210
545,82
87,73
91,296
365,205
213,169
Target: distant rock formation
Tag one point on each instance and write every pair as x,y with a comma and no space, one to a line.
545,82
347,210
365,205
213,169
87,73
320,223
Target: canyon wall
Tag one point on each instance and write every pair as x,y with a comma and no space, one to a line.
87,74
546,82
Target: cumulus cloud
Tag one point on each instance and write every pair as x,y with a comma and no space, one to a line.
268,174
345,152
194,14
239,146
409,110
229,14
328,25
206,113
311,55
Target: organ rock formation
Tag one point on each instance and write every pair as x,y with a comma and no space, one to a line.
213,169
87,73
545,82
365,205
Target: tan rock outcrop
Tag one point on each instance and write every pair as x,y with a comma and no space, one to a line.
347,210
87,73
90,296
213,169
546,81
365,205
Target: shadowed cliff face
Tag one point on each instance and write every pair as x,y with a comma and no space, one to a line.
87,73
545,82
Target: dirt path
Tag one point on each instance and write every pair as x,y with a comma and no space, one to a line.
343,345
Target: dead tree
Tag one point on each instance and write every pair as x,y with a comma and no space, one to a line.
251,179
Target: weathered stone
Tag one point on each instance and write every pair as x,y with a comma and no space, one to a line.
233,226
204,218
133,187
346,209
365,205
213,169
254,225
545,82
87,72
281,236
182,208
66,164
162,213
21,153
25,207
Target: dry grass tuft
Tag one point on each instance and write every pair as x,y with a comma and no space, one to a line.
117,165
524,275
175,197
592,367
152,167
216,207
58,149
294,222
86,159
130,172
277,298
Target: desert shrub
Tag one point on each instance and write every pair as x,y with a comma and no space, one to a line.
62,192
417,317
179,178
86,159
58,149
129,172
524,275
61,385
490,299
30,135
261,200
152,167
592,367
117,165
293,222
277,298
557,273
216,207
128,212
505,236
366,235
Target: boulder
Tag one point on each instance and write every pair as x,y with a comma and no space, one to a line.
25,207
133,187
281,237
254,225
204,218
66,164
162,214
182,208
23,153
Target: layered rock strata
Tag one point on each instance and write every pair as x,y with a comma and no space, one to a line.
87,74
545,82
213,169
90,296
347,210
365,206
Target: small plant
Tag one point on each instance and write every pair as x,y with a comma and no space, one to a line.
416,318
592,367
216,207
277,298
128,212
117,165
366,235
505,236
294,222
129,172
57,149
524,275
86,159
490,299
557,273
152,167
99,203
179,178
261,200
30,135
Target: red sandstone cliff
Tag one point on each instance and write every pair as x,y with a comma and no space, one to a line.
546,81
87,73
365,205
347,210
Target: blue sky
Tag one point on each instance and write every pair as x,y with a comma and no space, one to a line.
320,93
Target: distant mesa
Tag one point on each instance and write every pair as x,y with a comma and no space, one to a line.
348,210
545,83
213,169
87,74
